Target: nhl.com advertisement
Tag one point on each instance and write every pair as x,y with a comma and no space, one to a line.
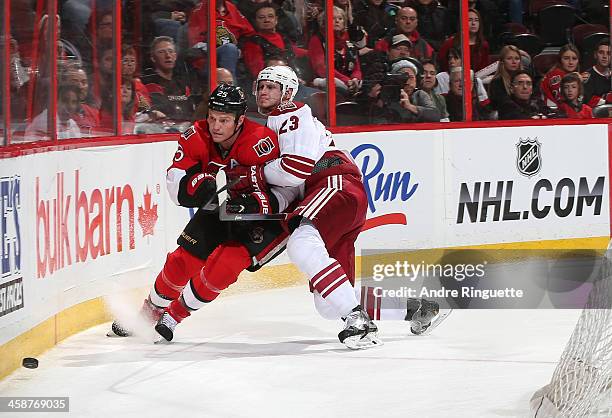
529,183
435,189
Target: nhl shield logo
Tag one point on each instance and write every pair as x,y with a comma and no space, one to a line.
529,158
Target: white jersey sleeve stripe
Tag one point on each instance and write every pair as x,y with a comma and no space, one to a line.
292,170
298,159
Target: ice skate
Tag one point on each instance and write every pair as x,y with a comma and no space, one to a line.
165,326
172,316
424,315
359,331
149,312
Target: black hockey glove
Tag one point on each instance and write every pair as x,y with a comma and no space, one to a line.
196,189
254,202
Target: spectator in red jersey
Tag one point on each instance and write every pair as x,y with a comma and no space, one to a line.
597,80
571,98
347,70
232,26
568,61
406,23
86,116
479,47
267,42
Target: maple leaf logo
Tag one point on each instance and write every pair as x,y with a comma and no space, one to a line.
147,215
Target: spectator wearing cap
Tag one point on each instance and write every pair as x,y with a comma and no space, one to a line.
376,17
479,47
375,64
597,84
522,103
414,105
570,104
406,23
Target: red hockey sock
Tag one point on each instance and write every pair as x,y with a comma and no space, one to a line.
180,266
177,310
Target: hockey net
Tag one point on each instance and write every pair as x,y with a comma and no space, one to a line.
581,385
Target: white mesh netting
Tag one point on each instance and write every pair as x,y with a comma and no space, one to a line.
581,385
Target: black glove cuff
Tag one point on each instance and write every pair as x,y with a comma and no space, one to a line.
201,195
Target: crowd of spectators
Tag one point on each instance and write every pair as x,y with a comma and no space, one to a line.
397,61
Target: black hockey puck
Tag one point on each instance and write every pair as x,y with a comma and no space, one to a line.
30,362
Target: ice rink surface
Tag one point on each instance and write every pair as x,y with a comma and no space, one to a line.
269,354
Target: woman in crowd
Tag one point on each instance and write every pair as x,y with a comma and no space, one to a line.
347,70
570,104
479,47
428,85
568,61
500,87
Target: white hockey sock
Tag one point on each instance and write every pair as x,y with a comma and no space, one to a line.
387,308
307,251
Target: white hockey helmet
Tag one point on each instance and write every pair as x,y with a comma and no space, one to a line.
282,75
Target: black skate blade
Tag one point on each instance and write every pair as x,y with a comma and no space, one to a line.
444,313
118,331
164,331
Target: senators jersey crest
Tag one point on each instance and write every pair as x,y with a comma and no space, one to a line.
264,147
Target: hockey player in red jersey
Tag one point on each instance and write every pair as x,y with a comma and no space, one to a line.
212,253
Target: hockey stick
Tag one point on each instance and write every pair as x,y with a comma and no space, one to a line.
222,185
224,216
219,192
